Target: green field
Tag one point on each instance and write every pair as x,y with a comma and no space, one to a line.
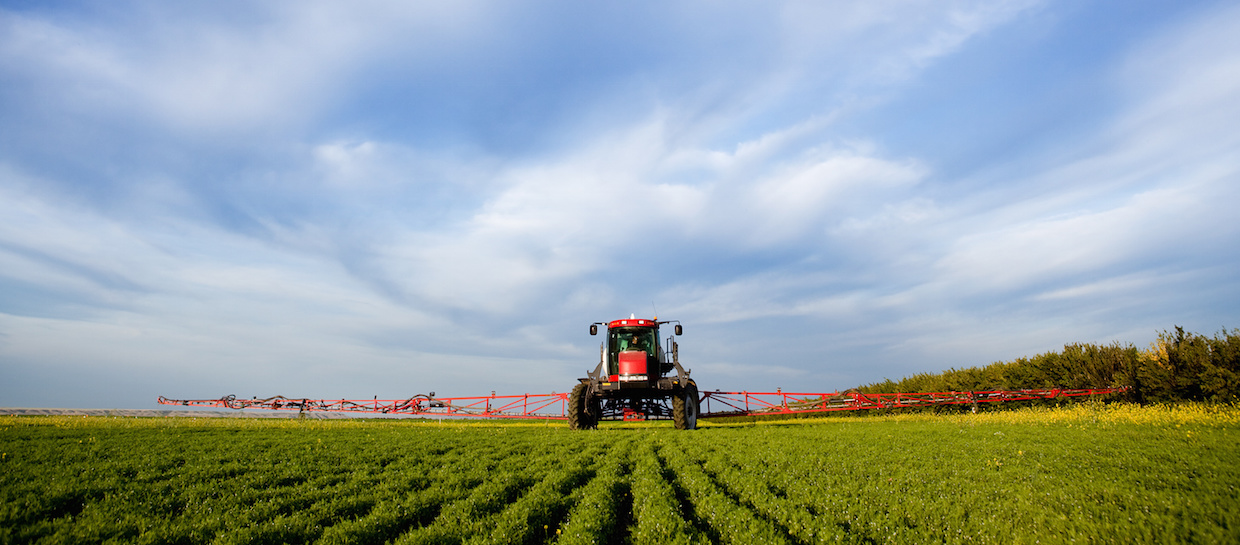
1082,473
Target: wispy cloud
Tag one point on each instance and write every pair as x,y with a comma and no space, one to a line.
416,195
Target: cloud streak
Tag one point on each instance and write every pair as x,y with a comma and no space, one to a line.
388,199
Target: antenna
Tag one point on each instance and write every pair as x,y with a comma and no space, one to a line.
656,310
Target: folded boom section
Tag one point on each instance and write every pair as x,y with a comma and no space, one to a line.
713,404
716,404
546,406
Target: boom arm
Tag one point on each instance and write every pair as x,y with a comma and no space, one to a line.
753,403
543,406
714,404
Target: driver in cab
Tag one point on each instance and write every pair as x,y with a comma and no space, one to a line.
635,342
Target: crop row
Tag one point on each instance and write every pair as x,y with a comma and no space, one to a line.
955,479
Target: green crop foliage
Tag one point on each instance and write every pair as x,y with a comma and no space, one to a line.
1080,473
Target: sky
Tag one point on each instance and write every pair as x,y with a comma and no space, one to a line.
347,200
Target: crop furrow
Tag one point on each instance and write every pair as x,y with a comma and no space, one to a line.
753,491
478,511
732,522
392,517
605,506
539,512
795,478
657,512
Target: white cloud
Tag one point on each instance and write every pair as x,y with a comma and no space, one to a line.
884,43
847,182
1120,231
612,205
1159,183
701,165
244,67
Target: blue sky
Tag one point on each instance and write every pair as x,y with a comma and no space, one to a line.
387,198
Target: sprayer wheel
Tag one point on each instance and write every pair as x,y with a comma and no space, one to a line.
685,408
579,417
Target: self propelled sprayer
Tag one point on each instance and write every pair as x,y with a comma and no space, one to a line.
636,378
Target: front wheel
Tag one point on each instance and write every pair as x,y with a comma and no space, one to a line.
580,415
685,408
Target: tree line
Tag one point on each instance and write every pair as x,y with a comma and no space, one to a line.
1178,366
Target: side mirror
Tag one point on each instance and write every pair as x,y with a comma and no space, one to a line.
594,329
679,330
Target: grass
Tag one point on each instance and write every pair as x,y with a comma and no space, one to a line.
1078,473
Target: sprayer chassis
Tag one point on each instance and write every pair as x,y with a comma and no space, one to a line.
636,379
636,401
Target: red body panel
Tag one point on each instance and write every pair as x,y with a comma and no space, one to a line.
632,322
633,362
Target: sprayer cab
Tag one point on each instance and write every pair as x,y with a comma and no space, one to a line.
636,377
632,352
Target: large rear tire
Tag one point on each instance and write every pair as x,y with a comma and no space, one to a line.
685,408
594,410
580,415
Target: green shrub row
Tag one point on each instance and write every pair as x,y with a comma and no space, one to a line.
1179,366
